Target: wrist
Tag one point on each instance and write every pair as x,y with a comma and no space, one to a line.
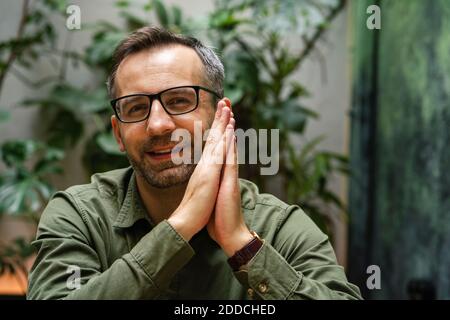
243,256
238,242
181,227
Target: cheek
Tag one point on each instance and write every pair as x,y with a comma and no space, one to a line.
200,115
133,137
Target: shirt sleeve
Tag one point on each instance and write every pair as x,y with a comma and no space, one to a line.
64,247
298,263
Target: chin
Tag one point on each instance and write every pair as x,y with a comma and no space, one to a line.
168,177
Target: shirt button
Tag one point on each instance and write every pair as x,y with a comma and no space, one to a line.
250,292
262,287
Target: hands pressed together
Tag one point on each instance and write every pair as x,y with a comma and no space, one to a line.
212,196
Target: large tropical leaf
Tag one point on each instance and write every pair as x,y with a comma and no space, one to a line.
23,187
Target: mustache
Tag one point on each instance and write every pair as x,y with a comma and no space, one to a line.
159,141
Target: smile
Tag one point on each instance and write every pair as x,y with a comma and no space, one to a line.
163,153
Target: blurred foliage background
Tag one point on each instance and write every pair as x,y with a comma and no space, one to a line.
253,39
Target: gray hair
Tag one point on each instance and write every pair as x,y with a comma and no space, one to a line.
151,37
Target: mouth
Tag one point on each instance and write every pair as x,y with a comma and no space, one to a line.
164,152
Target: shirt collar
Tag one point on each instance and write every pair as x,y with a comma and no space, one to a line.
132,208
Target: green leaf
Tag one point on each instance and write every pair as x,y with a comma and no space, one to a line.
19,195
148,6
294,116
16,152
225,20
48,164
161,13
177,16
100,52
24,190
122,4
298,90
65,130
133,22
58,5
75,100
242,72
337,156
108,143
309,147
95,159
320,167
331,197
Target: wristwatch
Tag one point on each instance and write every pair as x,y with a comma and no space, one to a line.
244,255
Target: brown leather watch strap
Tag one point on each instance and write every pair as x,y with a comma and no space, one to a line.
244,255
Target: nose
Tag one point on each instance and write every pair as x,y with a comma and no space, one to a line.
159,122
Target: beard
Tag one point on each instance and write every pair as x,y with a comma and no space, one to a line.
165,174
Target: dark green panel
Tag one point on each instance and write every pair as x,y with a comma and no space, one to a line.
407,208
361,195
413,139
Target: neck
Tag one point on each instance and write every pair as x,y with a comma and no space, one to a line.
159,203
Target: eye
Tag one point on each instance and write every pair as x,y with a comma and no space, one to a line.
136,108
178,101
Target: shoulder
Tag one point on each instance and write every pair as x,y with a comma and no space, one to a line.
103,184
251,197
274,219
81,204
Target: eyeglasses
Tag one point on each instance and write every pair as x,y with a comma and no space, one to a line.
175,101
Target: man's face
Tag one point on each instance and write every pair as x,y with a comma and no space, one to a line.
152,71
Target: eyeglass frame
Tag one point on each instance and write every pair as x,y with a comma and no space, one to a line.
157,96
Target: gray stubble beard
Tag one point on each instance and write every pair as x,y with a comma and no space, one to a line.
164,175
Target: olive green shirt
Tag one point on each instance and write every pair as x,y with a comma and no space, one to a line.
101,233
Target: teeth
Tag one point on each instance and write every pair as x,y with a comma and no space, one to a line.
162,151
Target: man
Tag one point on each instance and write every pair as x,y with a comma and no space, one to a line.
161,230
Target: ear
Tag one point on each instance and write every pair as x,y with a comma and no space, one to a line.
117,134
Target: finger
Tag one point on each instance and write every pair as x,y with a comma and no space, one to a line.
220,105
214,151
224,119
235,148
215,133
216,146
229,142
217,117
221,150
230,169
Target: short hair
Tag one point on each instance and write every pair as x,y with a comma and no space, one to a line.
154,37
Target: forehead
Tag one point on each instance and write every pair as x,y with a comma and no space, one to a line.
157,69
